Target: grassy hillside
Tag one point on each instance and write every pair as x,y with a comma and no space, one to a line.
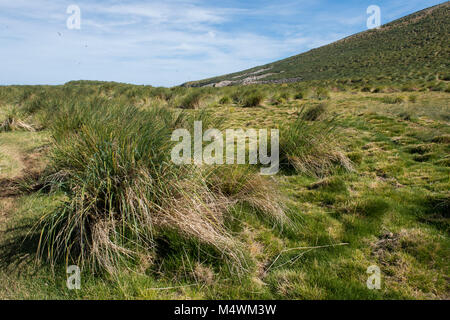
415,47
85,179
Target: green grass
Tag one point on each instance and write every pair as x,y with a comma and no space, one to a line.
390,210
310,147
253,99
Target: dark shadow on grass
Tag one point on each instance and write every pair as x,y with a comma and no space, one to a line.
18,248
437,212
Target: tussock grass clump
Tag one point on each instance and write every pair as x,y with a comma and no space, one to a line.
444,76
37,102
320,93
442,139
247,97
315,112
282,97
355,157
437,86
253,99
419,148
122,187
311,148
392,100
299,95
241,184
378,89
113,163
225,100
192,100
406,116
110,174
412,98
237,95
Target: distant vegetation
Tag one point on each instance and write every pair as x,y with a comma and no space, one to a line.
415,47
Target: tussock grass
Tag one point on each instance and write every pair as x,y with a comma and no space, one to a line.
311,147
283,96
412,98
315,112
241,184
253,99
192,100
121,186
319,93
406,116
392,100
248,97
193,229
225,100
444,139
113,163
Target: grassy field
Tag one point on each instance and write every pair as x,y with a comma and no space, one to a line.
83,167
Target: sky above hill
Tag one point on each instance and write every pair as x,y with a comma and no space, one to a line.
166,43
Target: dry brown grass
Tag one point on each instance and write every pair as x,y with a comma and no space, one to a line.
242,185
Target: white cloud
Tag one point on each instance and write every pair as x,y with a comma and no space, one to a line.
163,43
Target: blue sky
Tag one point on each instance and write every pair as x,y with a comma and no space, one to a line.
166,43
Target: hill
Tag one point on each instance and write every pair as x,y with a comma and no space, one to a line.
413,47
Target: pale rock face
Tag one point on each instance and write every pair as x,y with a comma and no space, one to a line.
223,84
